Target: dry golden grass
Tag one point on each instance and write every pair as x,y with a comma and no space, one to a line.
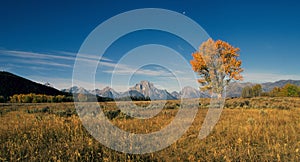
53,132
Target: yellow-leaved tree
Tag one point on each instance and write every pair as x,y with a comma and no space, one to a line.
217,63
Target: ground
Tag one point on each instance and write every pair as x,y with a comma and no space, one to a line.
256,129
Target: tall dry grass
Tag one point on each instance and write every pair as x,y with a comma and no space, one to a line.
53,132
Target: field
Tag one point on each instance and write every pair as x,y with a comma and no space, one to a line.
256,129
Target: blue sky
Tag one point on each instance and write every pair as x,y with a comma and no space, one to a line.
39,40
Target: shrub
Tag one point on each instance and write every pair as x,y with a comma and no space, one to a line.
112,114
242,104
45,109
247,102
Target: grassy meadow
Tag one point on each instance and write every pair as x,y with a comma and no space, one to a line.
255,129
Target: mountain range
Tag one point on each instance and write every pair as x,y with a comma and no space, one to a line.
11,84
147,89
143,89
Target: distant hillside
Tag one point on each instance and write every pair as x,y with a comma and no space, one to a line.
235,88
270,85
11,84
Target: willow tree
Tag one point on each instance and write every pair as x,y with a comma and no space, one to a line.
217,63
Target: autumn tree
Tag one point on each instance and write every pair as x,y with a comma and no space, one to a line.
257,90
247,92
254,91
290,90
217,63
275,92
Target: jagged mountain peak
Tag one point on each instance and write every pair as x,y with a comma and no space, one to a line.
190,92
107,88
76,89
175,94
143,85
149,90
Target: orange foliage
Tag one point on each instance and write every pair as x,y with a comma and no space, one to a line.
217,64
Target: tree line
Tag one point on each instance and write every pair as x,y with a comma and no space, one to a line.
252,91
288,90
39,98
42,98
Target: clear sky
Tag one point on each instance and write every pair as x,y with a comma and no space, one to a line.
39,40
